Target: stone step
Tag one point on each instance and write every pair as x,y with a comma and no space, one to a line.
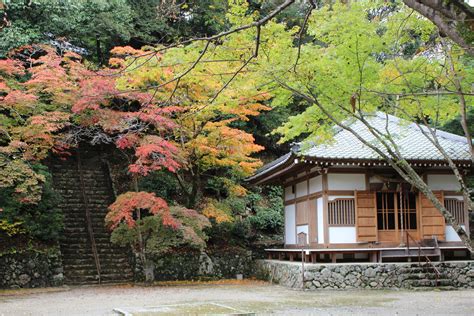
106,264
105,279
109,258
416,269
99,230
93,275
74,185
78,259
93,213
80,207
439,288
91,180
421,276
85,245
72,230
78,218
85,242
77,224
428,283
103,253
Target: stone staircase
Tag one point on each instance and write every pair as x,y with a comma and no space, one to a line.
88,255
424,276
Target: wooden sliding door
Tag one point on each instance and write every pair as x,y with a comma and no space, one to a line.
366,216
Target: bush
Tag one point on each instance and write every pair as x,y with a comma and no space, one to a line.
268,210
162,183
42,221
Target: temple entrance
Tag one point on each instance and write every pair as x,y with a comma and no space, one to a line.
396,216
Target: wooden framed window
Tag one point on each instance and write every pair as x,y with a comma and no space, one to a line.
456,208
396,209
407,207
385,210
341,212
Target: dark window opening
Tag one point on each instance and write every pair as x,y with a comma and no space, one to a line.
456,208
391,205
385,210
407,202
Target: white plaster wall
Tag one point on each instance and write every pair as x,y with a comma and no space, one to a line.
445,182
319,207
316,184
342,235
302,229
290,225
346,181
301,189
288,193
451,234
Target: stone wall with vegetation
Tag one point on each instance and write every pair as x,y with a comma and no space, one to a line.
367,275
209,265
28,269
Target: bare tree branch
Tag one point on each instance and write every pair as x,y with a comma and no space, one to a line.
302,31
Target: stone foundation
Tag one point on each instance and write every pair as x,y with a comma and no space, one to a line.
191,265
31,269
458,274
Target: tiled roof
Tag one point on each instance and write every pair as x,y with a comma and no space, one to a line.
411,141
275,163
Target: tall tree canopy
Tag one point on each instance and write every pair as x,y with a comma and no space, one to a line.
94,27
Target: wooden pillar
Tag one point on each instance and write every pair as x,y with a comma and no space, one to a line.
325,209
373,257
466,217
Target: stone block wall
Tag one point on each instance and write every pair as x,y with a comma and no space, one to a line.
30,269
367,275
192,265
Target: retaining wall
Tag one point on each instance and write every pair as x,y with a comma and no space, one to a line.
29,269
458,274
192,265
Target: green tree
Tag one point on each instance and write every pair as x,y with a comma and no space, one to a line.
94,27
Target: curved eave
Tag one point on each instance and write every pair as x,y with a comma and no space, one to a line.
363,162
268,172
295,164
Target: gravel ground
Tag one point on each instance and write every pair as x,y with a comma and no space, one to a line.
261,298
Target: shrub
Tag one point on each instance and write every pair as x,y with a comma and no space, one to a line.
268,210
42,221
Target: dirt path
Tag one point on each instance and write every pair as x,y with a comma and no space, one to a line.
260,298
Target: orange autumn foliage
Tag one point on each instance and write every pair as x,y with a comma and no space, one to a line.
126,206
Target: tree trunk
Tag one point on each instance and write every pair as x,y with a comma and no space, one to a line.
148,266
98,50
196,191
444,23
423,187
